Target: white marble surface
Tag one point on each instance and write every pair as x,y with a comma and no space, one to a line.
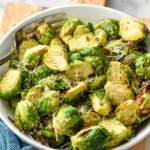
136,8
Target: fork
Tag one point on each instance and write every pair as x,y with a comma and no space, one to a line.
56,21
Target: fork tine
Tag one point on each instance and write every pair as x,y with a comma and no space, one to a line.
58,24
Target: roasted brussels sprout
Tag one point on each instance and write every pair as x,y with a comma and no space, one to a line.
143,100
50,138
118,93
102,36
10,84
81,29
132,29
97,82
73,94
56,58
26,117
69,27
47,102
83,41
39,73
66,39
100,103
110,26
79,69
25,45
45,33
117,132
34,93
74,56
32,56
142,66
127,112
67,121
55,83
91,138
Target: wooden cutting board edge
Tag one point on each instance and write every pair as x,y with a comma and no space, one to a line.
15,12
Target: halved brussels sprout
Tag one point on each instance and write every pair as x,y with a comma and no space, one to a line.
47,102
67,121
10,84
56,58
69,27
79,69
91,138
45,33
73,94
66,39
132,29
117,132
118,93
48,137
143,66
39,73
143,100
87,40
32,56
110,26
26,117
81,29
55,83
101,103
102,36
25,45
34,93
96,82
127,112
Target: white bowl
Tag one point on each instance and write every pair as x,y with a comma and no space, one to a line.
87,13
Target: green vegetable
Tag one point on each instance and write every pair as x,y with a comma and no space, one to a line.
10,84
67,121
91,138
26,117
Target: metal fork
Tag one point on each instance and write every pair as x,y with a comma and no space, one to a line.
55,21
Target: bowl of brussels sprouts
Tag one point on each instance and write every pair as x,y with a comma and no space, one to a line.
85,87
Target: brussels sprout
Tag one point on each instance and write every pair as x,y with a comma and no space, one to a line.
91,138
87,40
45,33
81,29
32,56
55,83
73,94
26,117
127,112
143,66
143,100
50,138
102,36
132,29
56,58
118,93
79,69
34,93
47,102
118,132
100,103
74,56
121,74
110,26
10,84
66,39
25,76
39,73
69,27
67,121
25,45
97,82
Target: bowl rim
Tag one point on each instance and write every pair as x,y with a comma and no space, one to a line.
25,22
